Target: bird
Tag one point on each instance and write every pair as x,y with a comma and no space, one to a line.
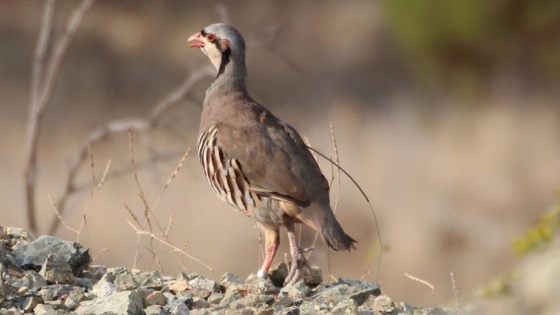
256,162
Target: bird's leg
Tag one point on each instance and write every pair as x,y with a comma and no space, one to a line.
298,259
272,241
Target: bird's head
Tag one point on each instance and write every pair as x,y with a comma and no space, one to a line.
222,44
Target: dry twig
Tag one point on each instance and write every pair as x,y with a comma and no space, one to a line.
42,85
141,125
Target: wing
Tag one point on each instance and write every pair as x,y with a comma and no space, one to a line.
266,158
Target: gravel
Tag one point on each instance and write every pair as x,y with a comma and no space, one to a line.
51,276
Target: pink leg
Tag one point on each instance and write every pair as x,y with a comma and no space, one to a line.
270,253
271,243
298,259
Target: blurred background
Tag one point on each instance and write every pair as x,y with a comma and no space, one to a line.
446,113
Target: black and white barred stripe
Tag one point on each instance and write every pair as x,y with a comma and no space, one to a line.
224,175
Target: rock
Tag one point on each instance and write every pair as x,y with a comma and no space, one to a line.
278,273
199,303
44,309
126,303
104,287
155,298
256,284
361,284
33,281
32,255
229,298
346,307
57,271
229,279
297,291
361,296
383,304
179,286
215,298
31,302
202,287
337,292
55,292
314,276
179,306
155,310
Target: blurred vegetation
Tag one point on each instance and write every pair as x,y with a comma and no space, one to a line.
540,235
461,44
537,238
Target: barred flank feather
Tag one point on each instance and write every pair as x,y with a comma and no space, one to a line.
224,174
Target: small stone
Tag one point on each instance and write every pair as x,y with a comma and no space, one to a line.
314,276
180,306
203,287
294,310
154,310
199,303
34,281
361,284
55,292
20,234
229,279
335,293
45,309
155,298
104,288
266,311
284,301
179,286
84,283
215,298
278,273
383,304
346,307
296,291
57,271
182,276
361,296
256,284
229,298
31,302
126,302
152,280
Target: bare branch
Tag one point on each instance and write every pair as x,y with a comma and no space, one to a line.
42,86
140,125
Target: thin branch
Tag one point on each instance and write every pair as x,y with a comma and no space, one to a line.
32,125
110,128
42,87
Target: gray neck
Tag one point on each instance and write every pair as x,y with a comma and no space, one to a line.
231,77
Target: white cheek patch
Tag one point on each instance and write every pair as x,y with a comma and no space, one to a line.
213,54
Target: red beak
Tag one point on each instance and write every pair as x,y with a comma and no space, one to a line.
197,40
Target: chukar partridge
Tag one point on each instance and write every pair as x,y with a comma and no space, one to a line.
256,162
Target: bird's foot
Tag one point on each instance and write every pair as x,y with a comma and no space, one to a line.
299,262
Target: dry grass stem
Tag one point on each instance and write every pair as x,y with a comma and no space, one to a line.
102,180
103,250
455,291
60,217
424,282
141,125
174,248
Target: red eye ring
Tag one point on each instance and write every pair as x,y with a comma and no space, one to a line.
211,37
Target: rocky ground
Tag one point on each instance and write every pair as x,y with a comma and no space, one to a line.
48,276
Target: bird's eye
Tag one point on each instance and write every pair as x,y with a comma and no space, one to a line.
210,37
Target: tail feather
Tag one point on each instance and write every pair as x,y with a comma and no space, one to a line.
335,237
